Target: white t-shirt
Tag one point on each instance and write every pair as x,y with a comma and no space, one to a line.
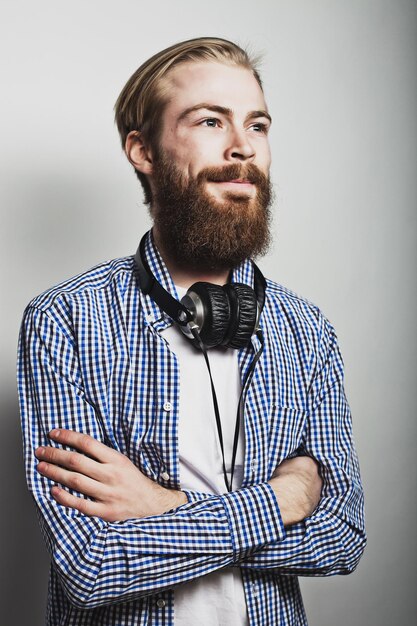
218,598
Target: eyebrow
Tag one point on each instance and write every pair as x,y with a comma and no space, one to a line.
215,108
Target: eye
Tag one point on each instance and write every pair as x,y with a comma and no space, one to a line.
259,127
211,122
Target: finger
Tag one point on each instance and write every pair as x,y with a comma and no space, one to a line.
72,480
73,461
86,507
83,443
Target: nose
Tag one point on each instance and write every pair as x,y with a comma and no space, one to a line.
239,146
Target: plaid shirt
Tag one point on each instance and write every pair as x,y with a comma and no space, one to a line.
91,359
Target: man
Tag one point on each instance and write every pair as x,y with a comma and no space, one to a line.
162,500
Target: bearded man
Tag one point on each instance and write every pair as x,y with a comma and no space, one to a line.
189,477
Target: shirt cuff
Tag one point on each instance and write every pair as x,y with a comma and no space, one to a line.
254,519
197,496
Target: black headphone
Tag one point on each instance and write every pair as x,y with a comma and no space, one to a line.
226,316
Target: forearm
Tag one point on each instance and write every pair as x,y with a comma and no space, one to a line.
325,539
331,537
324,544
101,563
321,545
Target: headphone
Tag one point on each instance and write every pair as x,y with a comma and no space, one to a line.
219,316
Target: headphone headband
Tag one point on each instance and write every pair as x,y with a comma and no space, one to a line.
150,286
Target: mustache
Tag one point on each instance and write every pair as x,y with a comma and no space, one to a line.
234,171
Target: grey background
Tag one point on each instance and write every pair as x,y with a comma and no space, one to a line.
340,79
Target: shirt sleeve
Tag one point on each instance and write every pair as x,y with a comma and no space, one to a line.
332,540
101,563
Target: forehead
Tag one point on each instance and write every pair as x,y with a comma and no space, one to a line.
231,86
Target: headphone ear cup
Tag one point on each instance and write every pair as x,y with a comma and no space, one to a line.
244,314
216,312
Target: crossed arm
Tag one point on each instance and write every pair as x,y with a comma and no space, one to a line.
133,537
119,491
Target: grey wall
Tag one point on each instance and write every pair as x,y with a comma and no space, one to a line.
340,78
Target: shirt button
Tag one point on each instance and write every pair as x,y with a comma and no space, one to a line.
160,603
253,465
167,406
165,476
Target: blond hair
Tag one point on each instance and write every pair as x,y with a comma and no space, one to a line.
142,100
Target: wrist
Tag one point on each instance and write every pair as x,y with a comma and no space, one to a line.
180,498
288,501
174,498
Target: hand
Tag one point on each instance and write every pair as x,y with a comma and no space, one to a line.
117,488
297,486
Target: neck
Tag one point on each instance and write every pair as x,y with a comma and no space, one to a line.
185,277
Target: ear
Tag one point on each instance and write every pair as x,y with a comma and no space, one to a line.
138,153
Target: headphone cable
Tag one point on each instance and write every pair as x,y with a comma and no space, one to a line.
242,397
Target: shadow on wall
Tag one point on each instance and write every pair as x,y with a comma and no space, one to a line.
24,559
54,227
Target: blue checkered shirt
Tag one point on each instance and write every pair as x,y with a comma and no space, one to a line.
91,359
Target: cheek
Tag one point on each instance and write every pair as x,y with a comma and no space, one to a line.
175,155
264,156
192,152
263,162
191,159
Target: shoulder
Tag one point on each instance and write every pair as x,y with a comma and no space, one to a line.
104,277
88,305
284,300
93,297
302,318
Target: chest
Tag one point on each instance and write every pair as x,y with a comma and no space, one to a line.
134,380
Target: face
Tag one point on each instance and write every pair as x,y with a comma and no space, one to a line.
209,178
216,116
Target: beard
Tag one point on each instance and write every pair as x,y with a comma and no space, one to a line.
197,230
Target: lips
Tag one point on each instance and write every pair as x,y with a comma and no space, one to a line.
237,181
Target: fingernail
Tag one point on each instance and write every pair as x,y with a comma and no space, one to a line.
54,434
39,452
